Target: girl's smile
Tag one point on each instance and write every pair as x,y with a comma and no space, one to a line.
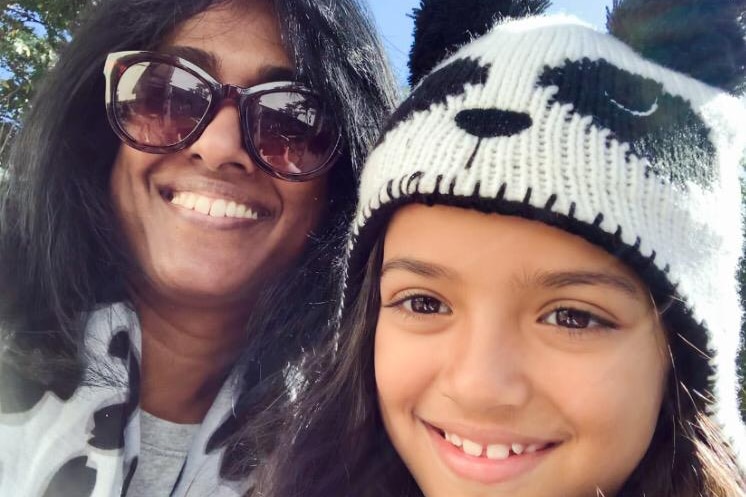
497,457
498,352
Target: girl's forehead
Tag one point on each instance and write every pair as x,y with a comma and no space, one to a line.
467,242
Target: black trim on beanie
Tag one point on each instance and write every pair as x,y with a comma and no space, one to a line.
688,338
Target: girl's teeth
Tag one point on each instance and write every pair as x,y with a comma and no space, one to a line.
498,452
472,448
456,440
494,452
213,207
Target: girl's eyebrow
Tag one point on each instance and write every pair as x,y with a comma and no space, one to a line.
421,268
551,279
561,279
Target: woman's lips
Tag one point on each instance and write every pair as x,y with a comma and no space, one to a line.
488,463
214,206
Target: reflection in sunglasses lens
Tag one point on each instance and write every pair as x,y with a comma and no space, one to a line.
290,132
159,104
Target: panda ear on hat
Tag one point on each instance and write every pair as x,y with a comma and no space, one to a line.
701,38
442,26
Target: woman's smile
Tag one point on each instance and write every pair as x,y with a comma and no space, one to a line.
216,208
205,224
216,204
216,213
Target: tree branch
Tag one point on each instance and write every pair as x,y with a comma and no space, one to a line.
27,16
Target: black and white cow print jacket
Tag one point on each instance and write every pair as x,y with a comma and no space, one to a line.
87,445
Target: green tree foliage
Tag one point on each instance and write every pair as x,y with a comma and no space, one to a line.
31,34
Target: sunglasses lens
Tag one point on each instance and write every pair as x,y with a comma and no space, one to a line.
159,105
291,131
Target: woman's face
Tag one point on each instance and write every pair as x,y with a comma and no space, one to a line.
512,358
198,259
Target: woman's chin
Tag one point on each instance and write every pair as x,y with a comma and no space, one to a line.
203,289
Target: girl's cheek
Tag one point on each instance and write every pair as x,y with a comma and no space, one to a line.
405,365
612,402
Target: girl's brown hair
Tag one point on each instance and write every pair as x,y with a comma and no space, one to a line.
334,442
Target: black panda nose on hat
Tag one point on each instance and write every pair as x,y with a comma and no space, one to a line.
491,123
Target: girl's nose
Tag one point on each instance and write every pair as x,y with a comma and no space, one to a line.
487,369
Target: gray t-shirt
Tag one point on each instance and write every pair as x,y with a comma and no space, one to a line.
163,450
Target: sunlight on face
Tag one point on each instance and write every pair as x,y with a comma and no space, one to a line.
194,258
512,358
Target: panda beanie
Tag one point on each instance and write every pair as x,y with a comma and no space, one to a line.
635,146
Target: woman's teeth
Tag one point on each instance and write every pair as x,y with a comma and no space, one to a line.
214,207
496,452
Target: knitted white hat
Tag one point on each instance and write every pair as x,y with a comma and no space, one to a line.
548,119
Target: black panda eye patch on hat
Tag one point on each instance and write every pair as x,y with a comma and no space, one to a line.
658,126
450,80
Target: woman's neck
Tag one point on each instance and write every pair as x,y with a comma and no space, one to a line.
186,356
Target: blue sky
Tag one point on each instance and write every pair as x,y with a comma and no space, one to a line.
396,28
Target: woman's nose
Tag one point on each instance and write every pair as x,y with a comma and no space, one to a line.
221,142
487,368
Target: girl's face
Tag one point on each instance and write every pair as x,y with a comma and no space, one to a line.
512,358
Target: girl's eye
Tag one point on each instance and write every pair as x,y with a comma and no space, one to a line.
575,319
424,304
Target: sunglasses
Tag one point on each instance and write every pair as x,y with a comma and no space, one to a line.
160,103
